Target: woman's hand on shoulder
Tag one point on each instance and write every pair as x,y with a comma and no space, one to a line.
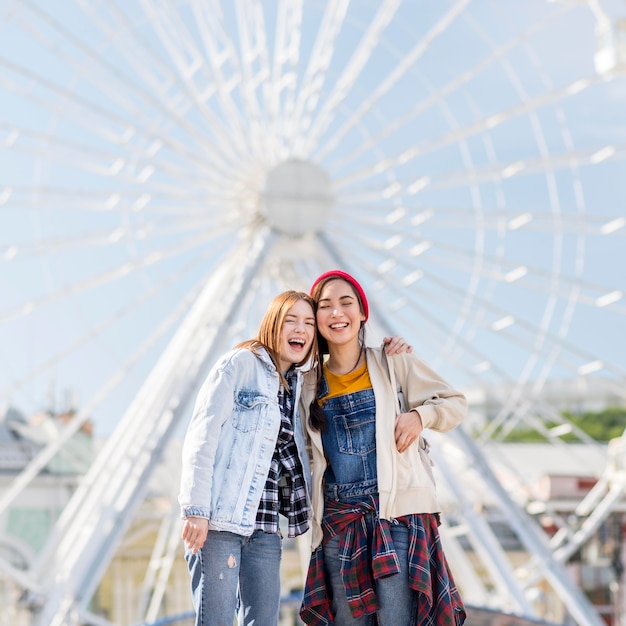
195,530
397,345
408,429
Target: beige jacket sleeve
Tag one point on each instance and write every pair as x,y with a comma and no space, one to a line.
440,406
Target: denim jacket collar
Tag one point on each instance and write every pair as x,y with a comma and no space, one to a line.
265,357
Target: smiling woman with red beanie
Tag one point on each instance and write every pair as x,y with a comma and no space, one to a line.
377,555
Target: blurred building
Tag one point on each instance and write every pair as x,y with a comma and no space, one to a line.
575,396
27,522
551,483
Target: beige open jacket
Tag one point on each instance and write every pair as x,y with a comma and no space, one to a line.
404,485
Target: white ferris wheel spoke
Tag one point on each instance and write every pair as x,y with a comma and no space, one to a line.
282,90
588,157
315,73
99,329
172,107
352,71
438,95
136,166
179,43
403,66
146,231
483,125
225,68
369,207
116,129
255,71
107,276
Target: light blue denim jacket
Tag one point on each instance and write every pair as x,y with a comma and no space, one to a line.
231,439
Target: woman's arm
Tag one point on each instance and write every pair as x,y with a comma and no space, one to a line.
440,406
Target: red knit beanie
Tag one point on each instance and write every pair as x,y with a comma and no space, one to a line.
349,279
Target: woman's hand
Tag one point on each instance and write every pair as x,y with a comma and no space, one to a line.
396,345
408,429
195,530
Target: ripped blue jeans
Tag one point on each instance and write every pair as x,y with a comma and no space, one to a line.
228,564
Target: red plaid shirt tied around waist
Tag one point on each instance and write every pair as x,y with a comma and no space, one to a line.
439,603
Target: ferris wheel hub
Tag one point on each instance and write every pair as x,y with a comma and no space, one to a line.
297,198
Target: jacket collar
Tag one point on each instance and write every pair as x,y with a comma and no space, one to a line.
265,358
267,361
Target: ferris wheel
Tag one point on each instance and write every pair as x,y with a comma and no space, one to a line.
167,167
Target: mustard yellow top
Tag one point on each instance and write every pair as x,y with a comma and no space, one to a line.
340,384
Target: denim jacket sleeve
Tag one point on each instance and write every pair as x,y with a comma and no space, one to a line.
214,406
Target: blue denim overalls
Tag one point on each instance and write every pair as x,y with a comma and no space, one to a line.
350,446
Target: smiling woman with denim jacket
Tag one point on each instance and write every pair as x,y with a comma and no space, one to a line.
244,462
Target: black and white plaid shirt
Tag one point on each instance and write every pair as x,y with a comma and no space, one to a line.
285,488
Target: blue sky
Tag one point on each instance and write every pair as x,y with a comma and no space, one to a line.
126,176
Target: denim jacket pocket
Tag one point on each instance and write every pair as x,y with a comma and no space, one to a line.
247,411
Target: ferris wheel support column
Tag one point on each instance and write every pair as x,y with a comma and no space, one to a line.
93,522
487,546
572,597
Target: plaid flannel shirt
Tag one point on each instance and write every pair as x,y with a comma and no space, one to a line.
285,487
439,603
